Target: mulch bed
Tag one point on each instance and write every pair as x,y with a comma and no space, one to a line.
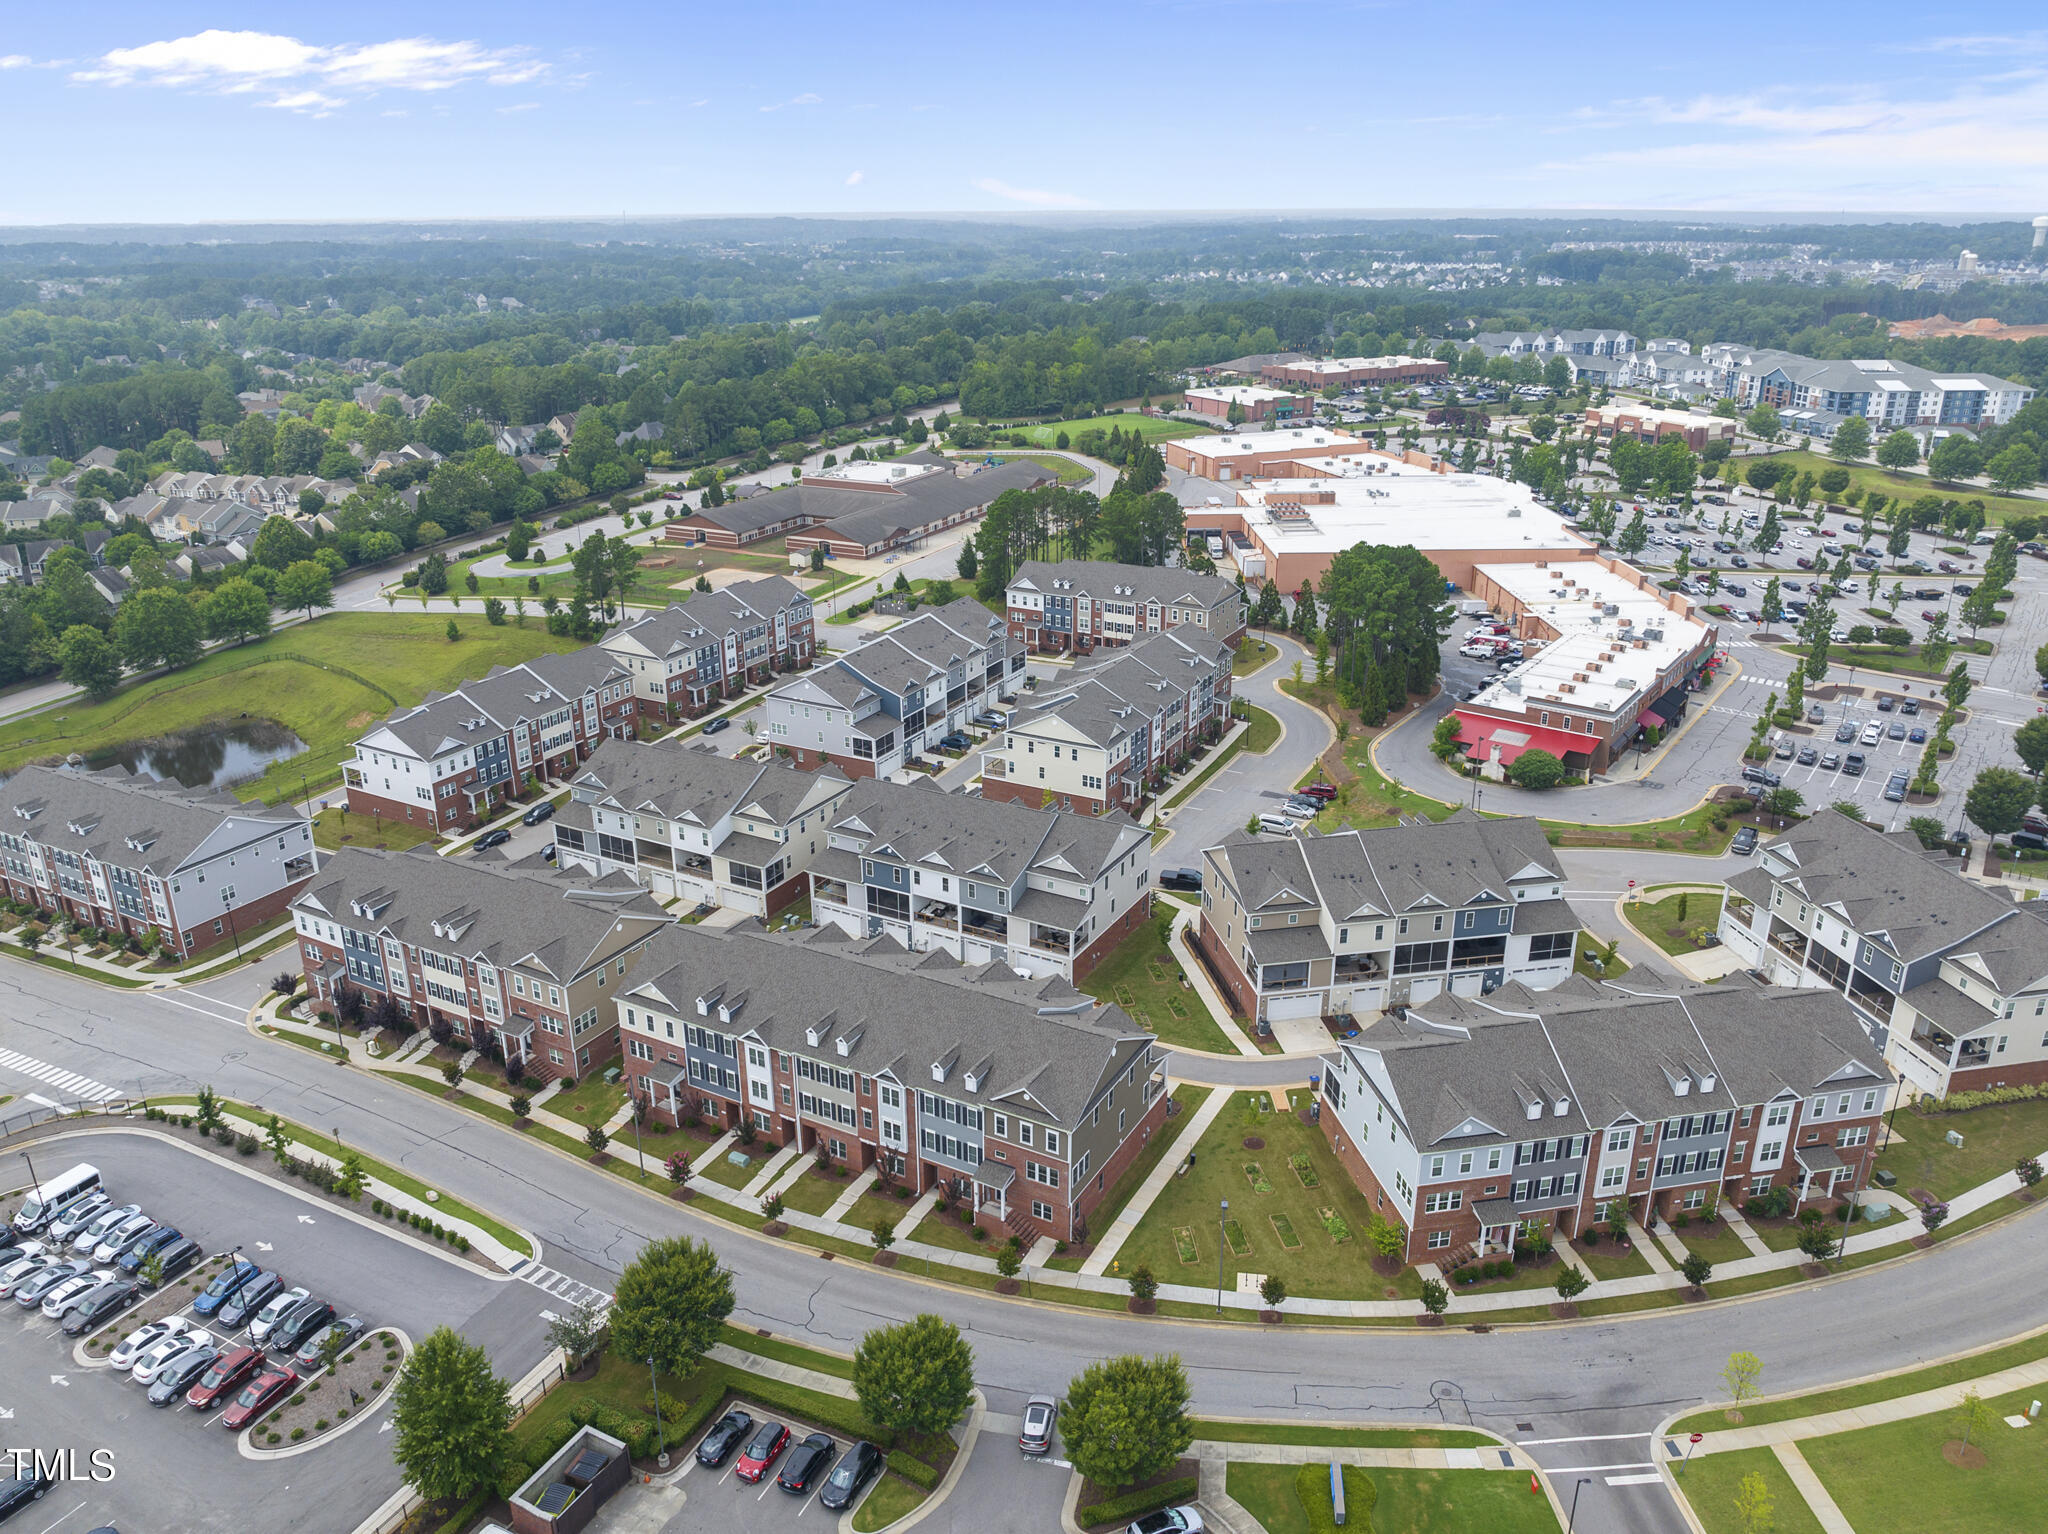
1564,1312
1813,1270
1138,1307
682,1194
1253,1142
1007,1286
601,1158
774,1228
1693,1294
1429,1320
369,1369
1963,1456
1922,1243
1387,1267
1270,1317
884,1259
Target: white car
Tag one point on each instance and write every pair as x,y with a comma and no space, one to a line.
81,1214
171,1348
1872,734
142,1339
71,1291
98,1230
268,1317
22,1269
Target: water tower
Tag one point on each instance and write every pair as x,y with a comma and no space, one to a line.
2041,231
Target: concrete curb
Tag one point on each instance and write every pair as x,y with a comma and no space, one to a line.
969,1441
248,1450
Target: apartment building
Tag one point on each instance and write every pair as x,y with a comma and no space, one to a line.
1471,1122
695,654
1949,978
519,958
1077,604
985,881
1023,1099
1816,396
454,760
141,856
689,824
879,705
1358,921
1106,737
1555,343
1646,423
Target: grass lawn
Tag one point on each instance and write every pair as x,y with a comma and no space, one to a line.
336,828
1895,1476
592,1100
788,1352
1253,654
1591,948
1142,975
1281,1230
1677,922
813,1194
1910,487
1993,1139
1151,428
1716,1242
1406,1502
1691,832
325,681
1267,1493
1069,472
945,1231
1609,1261
892,1498
1338,1437
1371,798
1189,1100
874,1205
1904,660
1710,1485
1909,1382
722,1171
1262,732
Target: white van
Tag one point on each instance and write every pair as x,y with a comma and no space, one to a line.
1276,825
46,1202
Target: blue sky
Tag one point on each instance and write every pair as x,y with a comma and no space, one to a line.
178,113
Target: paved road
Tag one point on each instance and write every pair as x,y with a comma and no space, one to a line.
1617,1377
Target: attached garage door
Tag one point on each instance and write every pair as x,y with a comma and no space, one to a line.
1295,1004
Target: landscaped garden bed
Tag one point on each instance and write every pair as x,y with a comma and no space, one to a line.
330,1401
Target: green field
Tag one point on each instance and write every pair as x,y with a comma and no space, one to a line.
1710,1484
1895,1476
1660,922
1406,1501
1142,975
325,681
1911,487
1994,1138
1069,472
1152,428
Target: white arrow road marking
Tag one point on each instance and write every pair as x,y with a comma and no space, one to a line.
264,1246
6,1414
58,1379
304,1219
386,1427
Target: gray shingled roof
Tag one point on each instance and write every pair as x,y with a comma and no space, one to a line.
115,808
923,824
1168,585
1389,869
677,783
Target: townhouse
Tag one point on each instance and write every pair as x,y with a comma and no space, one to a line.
1555,343
985,881
1814,397
1077,604
142,856
1020,1098
692,654
1949,978
1358,921
519,960
1108,736
689,824
875,708
456,758
1472,1123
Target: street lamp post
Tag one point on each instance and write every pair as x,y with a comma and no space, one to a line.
227,905
1583,1481
661,1432
638,1154
1222,1246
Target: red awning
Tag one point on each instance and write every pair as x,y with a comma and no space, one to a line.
1480,733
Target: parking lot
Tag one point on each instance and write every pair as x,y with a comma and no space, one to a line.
173,1468
718,1498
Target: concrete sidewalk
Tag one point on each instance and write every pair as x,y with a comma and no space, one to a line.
1920,1404
1154,1184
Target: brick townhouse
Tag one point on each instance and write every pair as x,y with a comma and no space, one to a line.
1948,977
1076,604
516,957
1359,921
455,759
1022,1095
689,824
694,654
1471,1122
137,855
987,882
1105,737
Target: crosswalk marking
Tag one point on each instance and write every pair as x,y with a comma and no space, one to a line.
564,1288
65,1081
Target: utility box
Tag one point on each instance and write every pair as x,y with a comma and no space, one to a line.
1955,1139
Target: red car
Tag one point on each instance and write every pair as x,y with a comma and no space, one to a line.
1318,791
257,1397
1928,614
228,1372
768,1442
1827,532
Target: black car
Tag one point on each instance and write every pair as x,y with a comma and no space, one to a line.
179,1256
491,839
136,1255
1745,842
954,742
101,1305
1808,755
241,1306
17,1493
1852,764
843,1486
717,1445
299,1324
1963,589
180,1375
543,811
1187,879
1844,733
807,1463
1886,705
716,725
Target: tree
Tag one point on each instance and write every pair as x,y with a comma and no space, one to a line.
280,542
1126,1419
237,610
577,1333
454,632
1386,1237
2016,468
883,1234
1142,1284
1436,1298
1535,769
671,1302
1817,1240
1833,481
157,627
1633,537
1783,801
1742,1374
1571,1283
1999,799
1763,422
1755,1509
1900,450
2028,1170
1974,1415
1697,1270
1273,1291
88,661
915,1378
1852,441
1443,741
2030,740
451,1417
1933,1217
304,585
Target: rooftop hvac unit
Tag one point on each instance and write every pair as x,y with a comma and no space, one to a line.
1609,609
1513,684
1625,681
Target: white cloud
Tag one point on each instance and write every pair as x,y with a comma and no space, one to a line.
856,178
306,75
1030,196
15,61
520,106
807,99
1981,44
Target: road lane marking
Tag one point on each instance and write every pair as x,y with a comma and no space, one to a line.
1639,1479
1641,1464
1530,1443
55,1075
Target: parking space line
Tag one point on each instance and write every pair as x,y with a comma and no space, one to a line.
49,1526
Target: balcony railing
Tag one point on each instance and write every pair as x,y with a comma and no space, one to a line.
1355,967
1791,944
1051,940
832,890
980,924
992,767
938,913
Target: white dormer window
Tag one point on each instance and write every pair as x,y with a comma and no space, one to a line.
1562,1106
1535,1110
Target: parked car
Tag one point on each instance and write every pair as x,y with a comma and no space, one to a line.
263,1295
225,1283
807,1463
122,1237
1808,755
1917,735
720,723
1041,1417
21,1270
989,719
954,741
142,1339
1816,715
491,839
59,1298
1169,1520
1324,791
724,1437
769,1440
1896,730
1783,750
30,1291
859,1465
1885,704
1852,764
1928,614
1873,732
150,1363
1762,775
182,1373
101,1306
299,1323
545,810
1745,841
1294,809
1830,760
103,1225
223,1377
1895,787
2029,841
257,1397
73,1220
1909,705
19,1491
1844,733
312,1352
175,1259
1963,589
1187,880
1948,567
136,1255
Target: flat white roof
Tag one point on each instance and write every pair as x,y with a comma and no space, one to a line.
1283,439
1383,500
873,472
1574,599
1242,394
1661,416
1352,364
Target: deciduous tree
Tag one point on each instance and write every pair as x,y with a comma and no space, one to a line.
671,1303
451,1417
914,1378
1126,1419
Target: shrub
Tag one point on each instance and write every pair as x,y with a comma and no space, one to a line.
297,1434
224,1135
914,1470
244,1144
1133,1504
